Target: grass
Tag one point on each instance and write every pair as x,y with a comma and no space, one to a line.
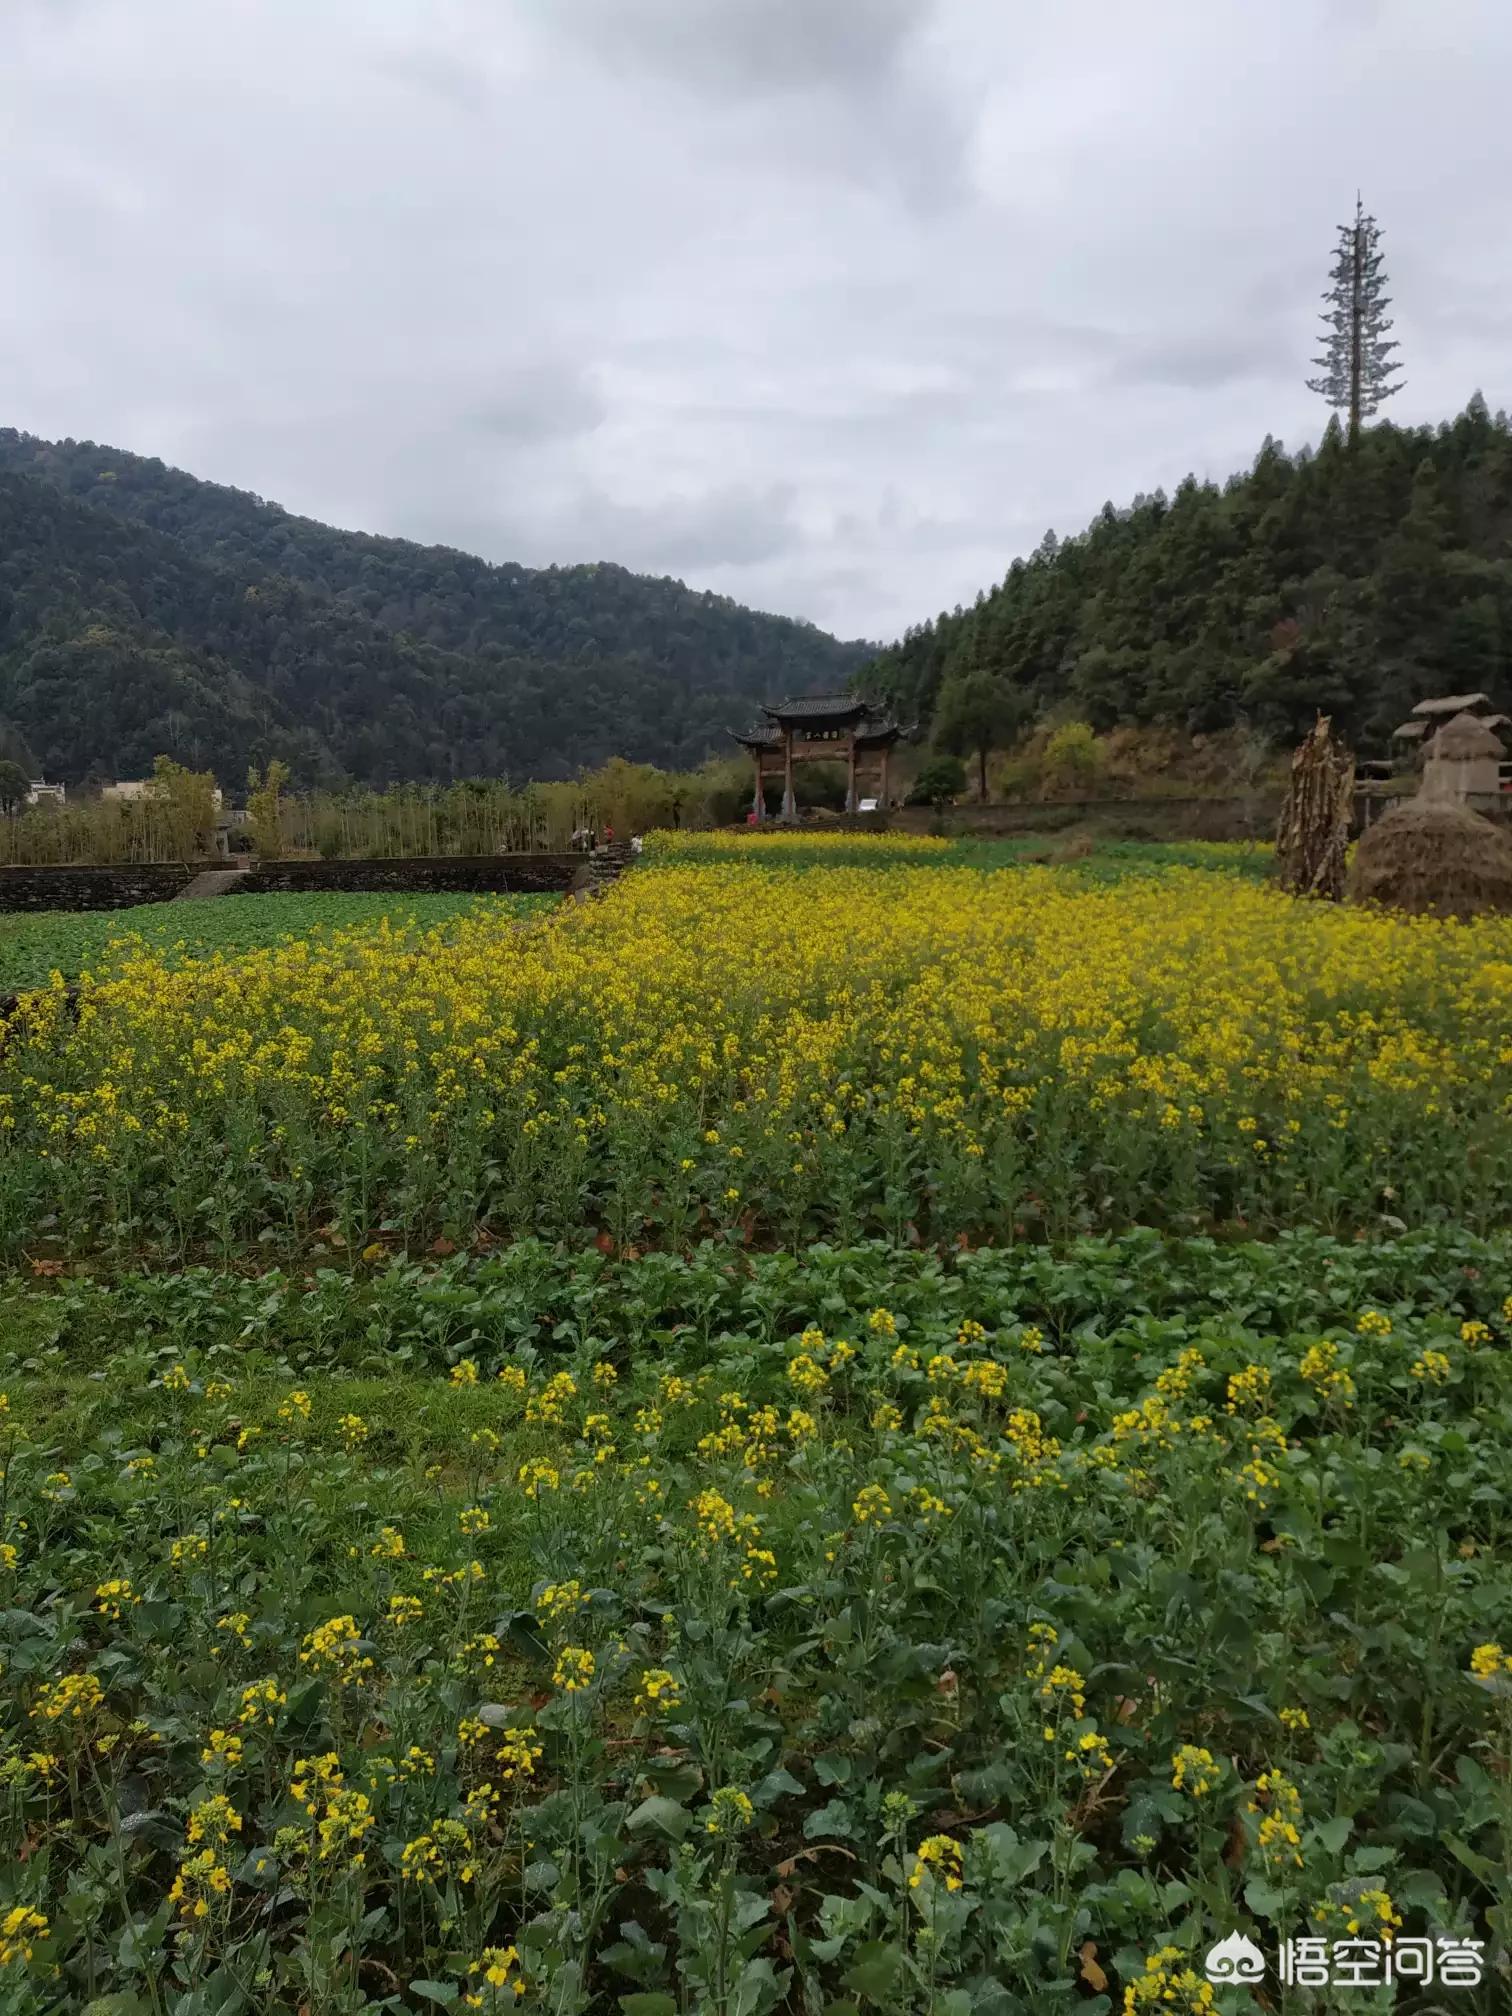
34,946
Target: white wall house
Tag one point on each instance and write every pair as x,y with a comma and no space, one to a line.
139,787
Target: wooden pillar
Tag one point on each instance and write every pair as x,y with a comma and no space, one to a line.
850,784
882,794
760,805
789,802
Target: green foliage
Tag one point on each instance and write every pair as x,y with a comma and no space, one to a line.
264,808
478,816
34,947
297,1569
14,784
1071,761
186,801
153,611
940,780
977,713
1356,580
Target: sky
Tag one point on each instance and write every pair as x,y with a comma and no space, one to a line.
832,306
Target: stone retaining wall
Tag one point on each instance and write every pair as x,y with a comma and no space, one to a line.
113,887
481,874
91,888
1241,817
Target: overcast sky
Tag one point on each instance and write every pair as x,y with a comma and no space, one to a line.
831,305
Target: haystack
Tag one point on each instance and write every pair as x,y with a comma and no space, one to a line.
1434,860
1463,738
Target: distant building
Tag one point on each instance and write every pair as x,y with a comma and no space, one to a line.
132,788
38,792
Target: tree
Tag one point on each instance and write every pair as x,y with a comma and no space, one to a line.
14,788
14,748
186,799
942,779
1355,369
1072,759
976,714
263,809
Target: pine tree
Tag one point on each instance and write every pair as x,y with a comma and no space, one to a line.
1356,368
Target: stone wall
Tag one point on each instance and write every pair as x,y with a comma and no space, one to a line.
481,874
1242,817
86,888
118,888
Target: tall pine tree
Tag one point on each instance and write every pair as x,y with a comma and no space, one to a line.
1356,371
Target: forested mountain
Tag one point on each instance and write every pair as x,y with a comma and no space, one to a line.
1358,580
143,611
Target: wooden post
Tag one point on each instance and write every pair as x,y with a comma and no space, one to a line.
760,806
789,802
882,794
850,785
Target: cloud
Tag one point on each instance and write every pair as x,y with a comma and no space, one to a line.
542,400
830,305
1198,361
750,47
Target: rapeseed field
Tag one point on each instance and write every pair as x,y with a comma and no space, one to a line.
762,1051
836,1431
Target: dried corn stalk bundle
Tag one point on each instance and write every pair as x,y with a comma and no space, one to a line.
1314,828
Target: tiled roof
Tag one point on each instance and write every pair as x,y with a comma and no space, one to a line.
818,707
836,708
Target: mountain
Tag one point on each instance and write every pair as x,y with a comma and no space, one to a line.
1356,580
145,611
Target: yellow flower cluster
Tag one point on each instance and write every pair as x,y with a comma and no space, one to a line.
574,1669
730,1812
1194,1771
1432,1367
939,1857
336,1648
1171,1985
74,1697
518,1755
20,1929
1278,1804
1321,1369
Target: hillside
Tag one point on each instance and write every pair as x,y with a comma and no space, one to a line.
1355,582
143,610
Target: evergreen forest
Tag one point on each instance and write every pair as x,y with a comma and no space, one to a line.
1357,578
143,612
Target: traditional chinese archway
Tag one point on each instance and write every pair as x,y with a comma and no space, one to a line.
821,728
